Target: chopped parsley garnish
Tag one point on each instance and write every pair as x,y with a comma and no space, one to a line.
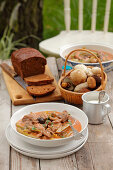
62,136
48,118
33,128
38,130
69,122
51,123
44,125
47,121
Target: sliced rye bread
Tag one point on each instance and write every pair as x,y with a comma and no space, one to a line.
38,80
41,90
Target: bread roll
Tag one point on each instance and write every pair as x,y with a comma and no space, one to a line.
78,76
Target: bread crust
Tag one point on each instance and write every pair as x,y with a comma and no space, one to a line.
28,62
37,80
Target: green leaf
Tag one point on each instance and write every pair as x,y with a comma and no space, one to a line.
20,44
48,118
7,43
34,36
62,136
47,121
33,128
69,122
44,125
51,123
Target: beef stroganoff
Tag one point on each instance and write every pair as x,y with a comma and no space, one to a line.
48,125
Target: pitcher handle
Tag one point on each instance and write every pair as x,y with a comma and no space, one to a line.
106,109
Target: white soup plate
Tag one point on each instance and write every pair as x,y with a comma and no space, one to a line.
74,111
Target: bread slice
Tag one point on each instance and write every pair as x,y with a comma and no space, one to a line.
41,90
38,80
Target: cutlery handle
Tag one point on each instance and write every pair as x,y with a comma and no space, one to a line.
8,70
76,134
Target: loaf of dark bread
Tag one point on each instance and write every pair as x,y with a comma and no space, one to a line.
28,62
41,90
38,80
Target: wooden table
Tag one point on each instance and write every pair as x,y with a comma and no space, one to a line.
96,154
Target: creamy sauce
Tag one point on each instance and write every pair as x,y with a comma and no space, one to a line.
48,125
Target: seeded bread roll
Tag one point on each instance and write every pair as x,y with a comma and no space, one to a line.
38,80
28,62
41,90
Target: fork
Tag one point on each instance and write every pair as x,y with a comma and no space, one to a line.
76,134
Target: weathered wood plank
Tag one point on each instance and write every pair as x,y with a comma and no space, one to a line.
51,61
96,154
60,63
102,150
18,158
104,132
5,111
109,89
84,158
19,161
102,154
101,133
66,163
97,133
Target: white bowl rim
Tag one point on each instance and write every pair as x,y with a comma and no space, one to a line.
91,44
47,140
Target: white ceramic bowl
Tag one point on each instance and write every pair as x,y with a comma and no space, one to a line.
74,111
65,50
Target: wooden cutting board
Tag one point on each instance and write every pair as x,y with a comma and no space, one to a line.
20,96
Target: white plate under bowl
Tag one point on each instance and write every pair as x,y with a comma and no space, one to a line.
16,142
65,50
42,152
74,111
50,156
